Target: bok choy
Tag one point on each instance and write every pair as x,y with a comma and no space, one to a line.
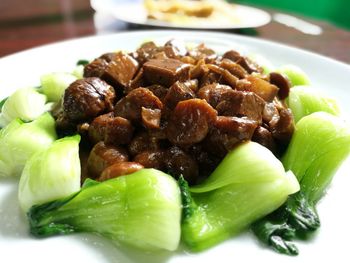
295,74
318,147
20,140
51,173
304,100
53,85
142,209
248,184
26,104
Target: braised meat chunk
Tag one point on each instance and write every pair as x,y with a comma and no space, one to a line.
213,93
261,87
96,68
173,108
102,156
97,128
110,129
165,71
190,121
178,162
282,82
177,92
228,132
121,70
119,169
87,98
130,106
240,103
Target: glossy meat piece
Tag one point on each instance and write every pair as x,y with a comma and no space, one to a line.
165,71
159,133
158,90
87,98
110,129
119,169
108,57
130,106
121,70
171,52
264,137
213,93
198,70
282,82
207,162
151,118
192,84
270,111
203,52
178,46
240,103
232,55
151,159
83,128
143,142
97,128
225,76
228,132
178,162
136,82
119,131
146,52
234,68
249,65
102,156
210,78
190,121
96,68
177,92
282,126
261,87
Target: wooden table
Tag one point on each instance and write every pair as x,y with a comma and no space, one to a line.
26,24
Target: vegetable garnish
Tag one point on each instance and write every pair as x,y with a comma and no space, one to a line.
248,184
21,140
26,104
51,173
319,145
304,100
53,85
142,209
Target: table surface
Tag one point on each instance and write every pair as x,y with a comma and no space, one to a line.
30,23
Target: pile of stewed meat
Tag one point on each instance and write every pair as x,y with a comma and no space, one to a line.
175,109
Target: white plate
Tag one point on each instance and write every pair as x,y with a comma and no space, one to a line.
25,68
135,13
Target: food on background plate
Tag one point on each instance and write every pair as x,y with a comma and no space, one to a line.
192,12
178,141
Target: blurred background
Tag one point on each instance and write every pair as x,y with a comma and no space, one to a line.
336,12
26,24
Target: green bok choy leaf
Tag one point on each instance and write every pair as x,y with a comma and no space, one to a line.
53,85
51,173
304,100
26,104
20,140
248,184
295,74
142,209
320,143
